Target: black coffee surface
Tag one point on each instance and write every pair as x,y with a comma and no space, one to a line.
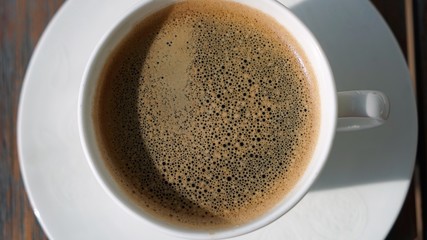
207,114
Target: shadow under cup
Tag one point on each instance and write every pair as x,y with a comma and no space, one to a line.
328,116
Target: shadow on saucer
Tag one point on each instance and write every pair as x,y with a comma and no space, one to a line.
358,55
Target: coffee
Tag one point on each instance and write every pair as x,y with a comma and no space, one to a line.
207,114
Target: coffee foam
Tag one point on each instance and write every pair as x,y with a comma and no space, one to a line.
207,114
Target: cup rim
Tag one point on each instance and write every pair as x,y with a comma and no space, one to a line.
88,141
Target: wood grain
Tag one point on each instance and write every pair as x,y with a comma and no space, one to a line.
393,13
22,22
420,23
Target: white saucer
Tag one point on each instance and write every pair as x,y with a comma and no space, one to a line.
358,195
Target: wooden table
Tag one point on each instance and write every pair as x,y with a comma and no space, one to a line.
23,21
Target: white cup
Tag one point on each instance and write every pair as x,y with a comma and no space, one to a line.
352,109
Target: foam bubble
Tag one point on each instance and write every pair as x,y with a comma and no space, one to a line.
206,114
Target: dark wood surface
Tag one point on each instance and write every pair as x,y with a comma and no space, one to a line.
420,25
21,24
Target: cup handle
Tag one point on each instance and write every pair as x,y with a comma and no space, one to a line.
361,110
